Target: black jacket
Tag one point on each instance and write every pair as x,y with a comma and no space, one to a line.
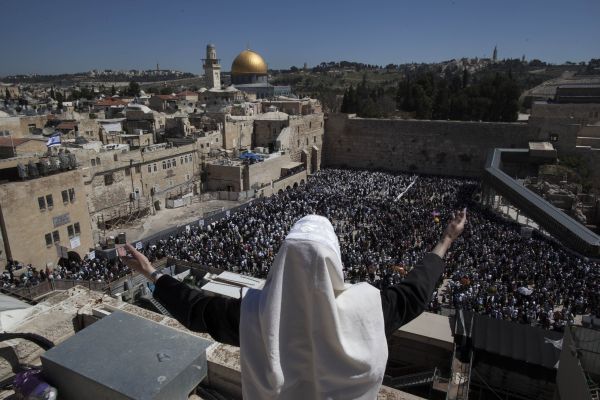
220,317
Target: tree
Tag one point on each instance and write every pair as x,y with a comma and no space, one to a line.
465,78
441,102
133,89
423,103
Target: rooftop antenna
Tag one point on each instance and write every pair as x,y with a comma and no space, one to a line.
247,45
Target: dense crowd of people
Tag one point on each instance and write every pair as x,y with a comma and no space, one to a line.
99,270
385,223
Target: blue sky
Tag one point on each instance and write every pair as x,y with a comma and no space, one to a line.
70,36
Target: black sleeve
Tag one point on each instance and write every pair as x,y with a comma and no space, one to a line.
218,316
405,301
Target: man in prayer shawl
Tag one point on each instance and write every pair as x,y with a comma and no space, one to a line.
306,334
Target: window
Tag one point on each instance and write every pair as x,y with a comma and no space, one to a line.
298,142
49,201
155,169
48,239
164,165
42,203
168,163
314,139
127,171
108,179
56,237
307,141
174,162
98,161
72,195
181,160
116,157
93,162
65,196
138,169
149,168
70,231
77,228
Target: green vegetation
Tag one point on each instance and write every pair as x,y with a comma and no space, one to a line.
439,91
133,89
494,98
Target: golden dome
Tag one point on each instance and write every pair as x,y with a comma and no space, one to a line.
248,62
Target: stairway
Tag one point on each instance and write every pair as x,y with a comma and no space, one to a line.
406,381
159,306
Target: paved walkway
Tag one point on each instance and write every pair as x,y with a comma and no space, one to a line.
168,218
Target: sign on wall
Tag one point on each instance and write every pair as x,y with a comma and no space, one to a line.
60,220
75,242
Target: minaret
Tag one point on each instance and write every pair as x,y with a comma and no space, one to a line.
212,68
495,55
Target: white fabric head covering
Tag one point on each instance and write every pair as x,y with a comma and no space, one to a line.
306,334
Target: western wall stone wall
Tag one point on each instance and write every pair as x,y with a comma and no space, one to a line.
454,148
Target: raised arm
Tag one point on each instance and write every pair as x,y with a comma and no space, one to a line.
407,300
217,316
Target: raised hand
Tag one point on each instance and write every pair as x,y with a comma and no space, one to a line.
457,225
454,229
135,260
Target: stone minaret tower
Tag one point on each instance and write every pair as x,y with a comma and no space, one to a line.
212,68
495,55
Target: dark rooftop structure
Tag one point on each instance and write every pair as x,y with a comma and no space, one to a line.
584,93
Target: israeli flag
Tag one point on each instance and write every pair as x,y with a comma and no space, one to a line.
53,141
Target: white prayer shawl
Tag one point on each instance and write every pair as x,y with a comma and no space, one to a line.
307,335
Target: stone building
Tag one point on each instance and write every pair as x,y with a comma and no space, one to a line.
22,126
163,102
212,68
110,106
276,172
300,135
237,132
123,185
13,147
39,214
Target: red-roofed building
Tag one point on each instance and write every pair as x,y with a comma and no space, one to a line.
12,147
188,95
110,106
67,127
163,102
